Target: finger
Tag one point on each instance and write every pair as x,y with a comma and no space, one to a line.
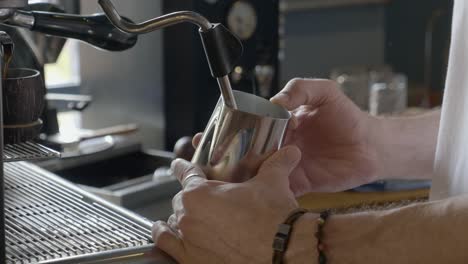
183,169
196,139
276,169
177,204
172,223
293,122
168,241
313,92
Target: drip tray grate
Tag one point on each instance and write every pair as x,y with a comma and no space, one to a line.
47,219
28,151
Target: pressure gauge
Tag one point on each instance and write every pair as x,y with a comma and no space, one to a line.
242,19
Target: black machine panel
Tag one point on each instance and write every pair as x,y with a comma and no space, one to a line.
190,91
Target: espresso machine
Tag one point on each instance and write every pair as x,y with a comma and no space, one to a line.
45,219
256,23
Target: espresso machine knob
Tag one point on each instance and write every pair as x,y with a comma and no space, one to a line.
184,149
264,75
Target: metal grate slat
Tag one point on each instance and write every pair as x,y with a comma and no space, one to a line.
42,223
62,222
63,195
27,151
46,220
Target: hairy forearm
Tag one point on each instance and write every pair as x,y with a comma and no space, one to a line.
426,233
406,146
423,233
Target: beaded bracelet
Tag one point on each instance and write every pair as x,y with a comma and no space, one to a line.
322,258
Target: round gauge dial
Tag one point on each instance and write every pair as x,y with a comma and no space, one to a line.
242,19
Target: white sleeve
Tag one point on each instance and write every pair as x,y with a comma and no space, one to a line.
451,162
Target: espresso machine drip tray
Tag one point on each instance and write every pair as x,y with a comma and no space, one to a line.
28,151
49,220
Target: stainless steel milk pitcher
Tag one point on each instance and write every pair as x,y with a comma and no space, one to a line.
236,141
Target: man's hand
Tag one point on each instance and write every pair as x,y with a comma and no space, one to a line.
343,147
217,222
336,138
334,135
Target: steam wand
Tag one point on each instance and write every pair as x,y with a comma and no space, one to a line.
222,48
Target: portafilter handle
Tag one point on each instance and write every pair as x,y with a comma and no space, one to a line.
223,50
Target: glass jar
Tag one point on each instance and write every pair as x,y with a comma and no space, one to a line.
388,95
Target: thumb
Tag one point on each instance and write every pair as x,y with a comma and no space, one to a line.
277,168
312,92
196,139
